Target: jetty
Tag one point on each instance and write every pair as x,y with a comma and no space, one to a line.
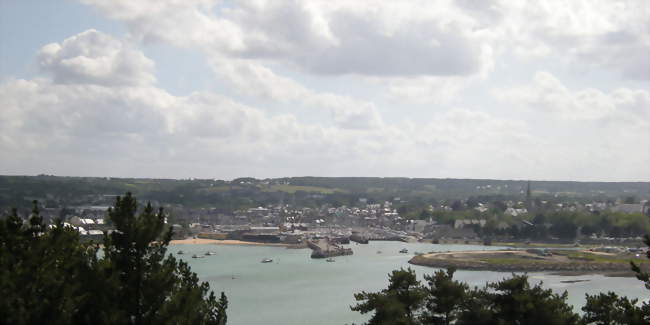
324,248
358,238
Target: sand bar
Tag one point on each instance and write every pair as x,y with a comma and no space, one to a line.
222,242
556,261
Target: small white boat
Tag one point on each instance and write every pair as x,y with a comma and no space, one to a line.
209,253
180,253
330,260
267,260
404,251
197,256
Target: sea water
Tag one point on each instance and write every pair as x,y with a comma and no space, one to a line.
295,289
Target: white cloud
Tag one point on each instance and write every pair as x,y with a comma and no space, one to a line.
182,23
322,37
400,39
607,34
144,131
92,57
253,79
423,90
548,95
99,110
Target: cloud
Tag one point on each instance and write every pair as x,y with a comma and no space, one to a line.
92,57
606,34
325,88
423,90
321,37
547,95
87,127
146,132
181,23
399,39
416,48
250,78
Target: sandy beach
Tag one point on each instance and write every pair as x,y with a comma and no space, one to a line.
222,242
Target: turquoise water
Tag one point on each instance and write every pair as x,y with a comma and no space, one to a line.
296,289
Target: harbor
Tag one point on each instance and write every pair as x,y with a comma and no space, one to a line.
295,289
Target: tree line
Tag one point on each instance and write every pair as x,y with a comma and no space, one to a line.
49,276
441,300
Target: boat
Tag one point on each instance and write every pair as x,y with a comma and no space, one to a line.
331,260
197,256
180,253
404,251
209,253
267,260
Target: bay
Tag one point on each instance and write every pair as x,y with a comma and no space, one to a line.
295,289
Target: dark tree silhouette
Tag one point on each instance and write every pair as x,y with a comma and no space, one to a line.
398,304
445,298
48,276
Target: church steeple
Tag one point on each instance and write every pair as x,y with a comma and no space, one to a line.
529,198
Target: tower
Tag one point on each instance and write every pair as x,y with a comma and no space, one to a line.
529,200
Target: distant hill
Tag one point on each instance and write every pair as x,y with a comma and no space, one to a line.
307,191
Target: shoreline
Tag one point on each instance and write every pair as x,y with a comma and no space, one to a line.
191,241
558,263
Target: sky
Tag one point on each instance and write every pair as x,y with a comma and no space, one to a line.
499,89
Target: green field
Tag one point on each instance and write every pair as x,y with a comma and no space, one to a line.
295,188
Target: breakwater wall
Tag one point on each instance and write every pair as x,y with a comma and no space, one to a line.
324,249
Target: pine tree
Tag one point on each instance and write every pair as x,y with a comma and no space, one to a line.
46,276
49,276
151,286
398,304
445,298
516,302
610,309
640,274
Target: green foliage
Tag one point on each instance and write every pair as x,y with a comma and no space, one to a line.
645,277
444,298
610,309
445,301
250,192
45,276
50,276
448,217
151,286
398,304
641,275
510,301
516,302
294,188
